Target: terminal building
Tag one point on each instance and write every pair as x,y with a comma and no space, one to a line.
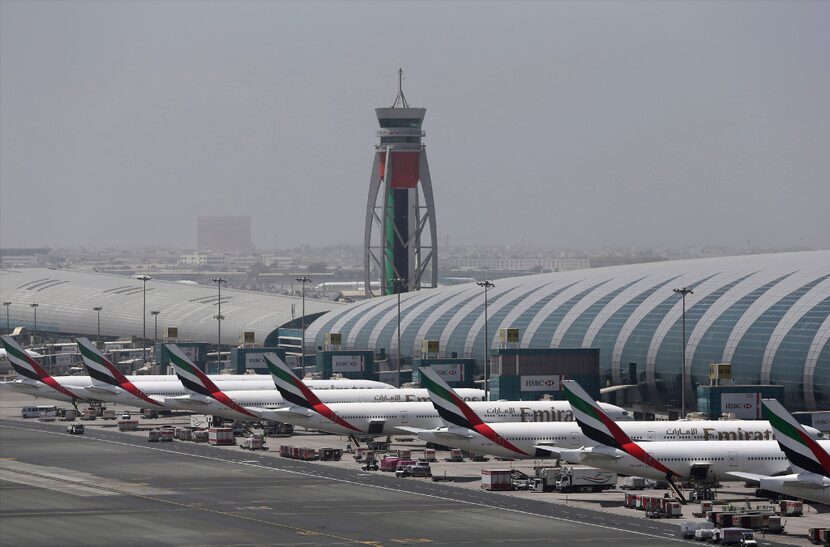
766,315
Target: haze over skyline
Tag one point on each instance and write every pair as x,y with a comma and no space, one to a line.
572,125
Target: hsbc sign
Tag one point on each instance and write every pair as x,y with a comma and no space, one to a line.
449,372
745,406
347,363
542,383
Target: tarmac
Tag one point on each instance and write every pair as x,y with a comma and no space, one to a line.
106,487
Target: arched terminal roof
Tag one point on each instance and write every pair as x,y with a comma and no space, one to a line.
66,300
768,315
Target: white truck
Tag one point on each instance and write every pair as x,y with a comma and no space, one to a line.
585,479
201,421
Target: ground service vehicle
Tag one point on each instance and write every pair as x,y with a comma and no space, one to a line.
688,529
38,411
75,429
576,479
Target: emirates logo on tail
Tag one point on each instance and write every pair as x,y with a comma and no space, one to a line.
27,367
102,370
294,391
197,381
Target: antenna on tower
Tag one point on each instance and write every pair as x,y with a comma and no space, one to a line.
400,100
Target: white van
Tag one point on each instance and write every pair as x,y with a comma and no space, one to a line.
39,411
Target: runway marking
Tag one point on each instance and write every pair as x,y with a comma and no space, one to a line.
337,479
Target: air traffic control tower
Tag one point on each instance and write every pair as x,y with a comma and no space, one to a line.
400,241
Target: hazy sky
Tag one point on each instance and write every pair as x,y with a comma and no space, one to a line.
559,124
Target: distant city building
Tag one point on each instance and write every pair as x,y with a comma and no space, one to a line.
23,258
519,264
209,260
224,234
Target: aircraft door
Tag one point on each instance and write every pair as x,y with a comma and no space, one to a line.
575,440
650,436
404,417
733,459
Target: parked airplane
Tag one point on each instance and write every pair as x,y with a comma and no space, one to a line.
305,409
31,383
465,429
809,460
208,398
695,460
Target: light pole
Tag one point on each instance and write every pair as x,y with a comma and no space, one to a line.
145,279
303,280
399,282
98,309
683,291
219,317
8,324
487,285
155,314
34,306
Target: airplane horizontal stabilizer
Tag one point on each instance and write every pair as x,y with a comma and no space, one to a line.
104,389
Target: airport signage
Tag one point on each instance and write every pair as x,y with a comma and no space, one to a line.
254,361
347,363
62,359
449,372
552,382
745,406
821,421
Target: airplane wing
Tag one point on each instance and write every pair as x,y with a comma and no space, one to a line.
406,429
750,477
550,450
801,480
445,435
593,453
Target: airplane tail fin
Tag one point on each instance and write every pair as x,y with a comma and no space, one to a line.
103,371
294,391
100,369
189,374
288,384
197,381
799,447
446,401
28,368
455,412
594,422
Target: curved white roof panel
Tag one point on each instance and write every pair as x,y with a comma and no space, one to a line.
766,314
65,300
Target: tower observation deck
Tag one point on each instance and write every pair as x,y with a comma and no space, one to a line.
400,240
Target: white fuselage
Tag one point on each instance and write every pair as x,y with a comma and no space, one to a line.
270,400
385,418
714,460
527,436
159,386
227,382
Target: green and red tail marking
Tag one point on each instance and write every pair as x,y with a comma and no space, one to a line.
596,425
454,410
296,392
27,367
799,447
197,381
102,370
